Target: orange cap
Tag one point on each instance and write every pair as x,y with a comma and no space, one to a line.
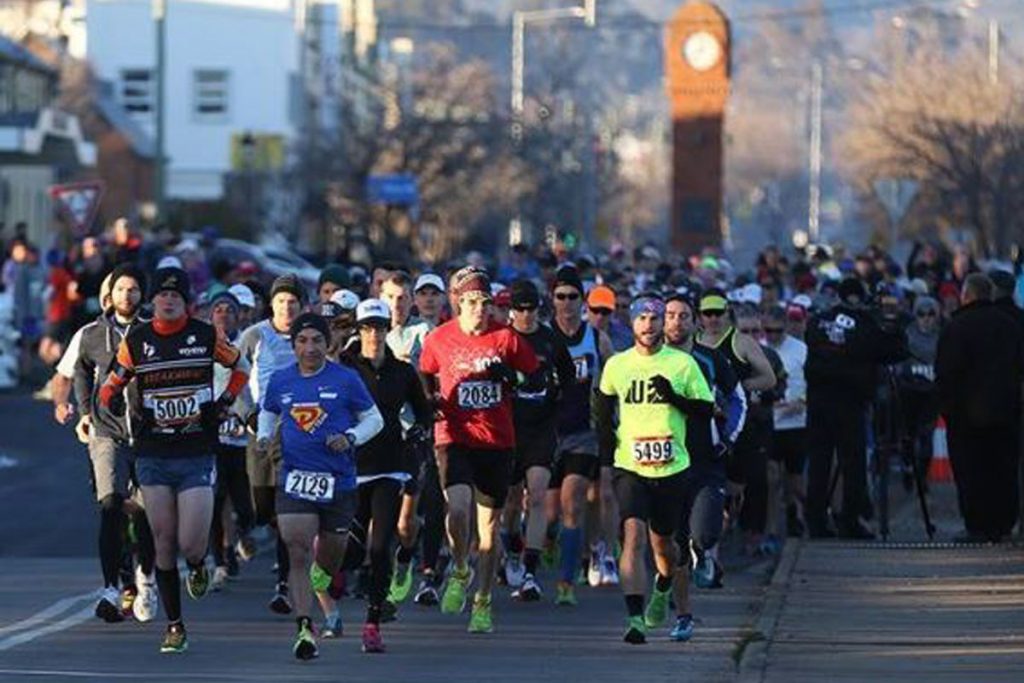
601,296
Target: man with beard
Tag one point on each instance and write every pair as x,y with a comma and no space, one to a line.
657,390
109,442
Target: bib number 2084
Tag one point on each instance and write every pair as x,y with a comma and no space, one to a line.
479,395
653,451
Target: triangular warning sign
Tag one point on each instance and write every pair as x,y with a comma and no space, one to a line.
78,203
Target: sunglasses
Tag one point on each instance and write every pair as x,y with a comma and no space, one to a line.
527,308
774,330
712,314
927,314
601,311
567,297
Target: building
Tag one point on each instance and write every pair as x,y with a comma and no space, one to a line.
40,144
232,70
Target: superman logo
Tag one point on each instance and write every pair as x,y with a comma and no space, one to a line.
308,416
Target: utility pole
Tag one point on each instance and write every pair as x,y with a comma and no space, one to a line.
814,162
160,174
993,51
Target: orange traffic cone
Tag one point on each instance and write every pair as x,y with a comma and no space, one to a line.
940,470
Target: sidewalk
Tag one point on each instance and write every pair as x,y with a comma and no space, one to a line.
906,610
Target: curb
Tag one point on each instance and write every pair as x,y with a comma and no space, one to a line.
754,663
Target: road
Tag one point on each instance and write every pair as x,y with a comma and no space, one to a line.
48,575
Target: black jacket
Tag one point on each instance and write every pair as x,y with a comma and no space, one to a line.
392,386
100,341
846,345
979,367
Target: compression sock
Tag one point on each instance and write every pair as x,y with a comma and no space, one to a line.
635,605
662,583
169,583
571,542
531,559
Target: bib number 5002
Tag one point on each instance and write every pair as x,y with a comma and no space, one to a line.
653,452
315,486
175,409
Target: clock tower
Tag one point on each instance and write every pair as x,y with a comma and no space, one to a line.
697,76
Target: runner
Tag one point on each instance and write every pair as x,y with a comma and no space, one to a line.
577,467
109,441
171,359
267,346
324,412
429,295
470,365
656,390
535,418
381,466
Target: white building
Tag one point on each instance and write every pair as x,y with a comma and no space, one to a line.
232,67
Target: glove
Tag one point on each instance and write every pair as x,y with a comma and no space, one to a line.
663,387
222,407
416,434
499,372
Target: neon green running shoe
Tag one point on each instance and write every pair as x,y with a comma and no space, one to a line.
305,647
551,555
636,631
454,599
175,641
401,583
197,582
319,579
480,620
565,595
657,608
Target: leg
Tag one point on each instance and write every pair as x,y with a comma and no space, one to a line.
161,511
459,498
386,501
537,479
573,497
297,533
487,521
195,511
633,574
820,448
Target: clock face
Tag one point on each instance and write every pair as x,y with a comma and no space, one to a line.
702,50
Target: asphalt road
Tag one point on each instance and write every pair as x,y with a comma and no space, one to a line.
49,575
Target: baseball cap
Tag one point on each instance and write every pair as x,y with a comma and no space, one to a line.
524,293
244,295
713,300
373,310
346,299
169,262
601,296
429,280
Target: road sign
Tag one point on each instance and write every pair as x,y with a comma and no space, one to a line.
393,188
78,203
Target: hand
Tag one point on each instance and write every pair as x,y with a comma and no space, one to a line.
438,406
252,422
338,443
262,446
63,412
83,428
663,387
499,372
223,406
417,434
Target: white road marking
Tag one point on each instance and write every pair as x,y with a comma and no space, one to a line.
54,610
67,622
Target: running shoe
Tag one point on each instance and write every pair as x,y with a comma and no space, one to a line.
319,579
332,628
128,594
707,572
108,608
426,593
175,640
197,582
551,555
305,647
515,572
220,578
147,602
246,548
683,630
372,642
565,594
454,599
401,583
636,631
280,604
530,590
609,571
232,561
480,620
657,608
594,569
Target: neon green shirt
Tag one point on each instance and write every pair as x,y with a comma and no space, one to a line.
652,436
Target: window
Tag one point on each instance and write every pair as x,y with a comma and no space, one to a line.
137,90
210,94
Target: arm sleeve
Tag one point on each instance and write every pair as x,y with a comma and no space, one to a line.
565,370
735,414
521,355
418,400
695,400
369,424
604,419
120,375
270,411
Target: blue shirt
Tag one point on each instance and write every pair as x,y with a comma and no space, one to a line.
312,409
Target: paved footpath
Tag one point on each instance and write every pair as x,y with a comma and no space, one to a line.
906,611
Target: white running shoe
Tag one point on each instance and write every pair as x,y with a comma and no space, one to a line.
514,571
147,602
220,578
609,571
594,566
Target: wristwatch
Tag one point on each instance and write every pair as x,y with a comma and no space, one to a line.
351,436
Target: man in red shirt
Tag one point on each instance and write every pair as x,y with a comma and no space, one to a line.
471,365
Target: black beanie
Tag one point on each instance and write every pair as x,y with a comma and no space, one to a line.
288,283
173,280
131,270
568,276
310,321
852,287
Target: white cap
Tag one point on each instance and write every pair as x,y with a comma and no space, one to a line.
752,293
169,262
803,301
244,295
496,287
345,298
372,309
429,280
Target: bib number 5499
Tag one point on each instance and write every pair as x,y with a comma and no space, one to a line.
653,452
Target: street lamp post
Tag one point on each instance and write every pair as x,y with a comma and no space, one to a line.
160,24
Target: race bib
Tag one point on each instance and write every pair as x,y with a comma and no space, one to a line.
653,451
315,486
924,371
479,395
582,368
177,408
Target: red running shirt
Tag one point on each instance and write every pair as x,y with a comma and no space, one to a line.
476,412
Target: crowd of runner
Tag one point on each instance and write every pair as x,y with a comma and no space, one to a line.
436,436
